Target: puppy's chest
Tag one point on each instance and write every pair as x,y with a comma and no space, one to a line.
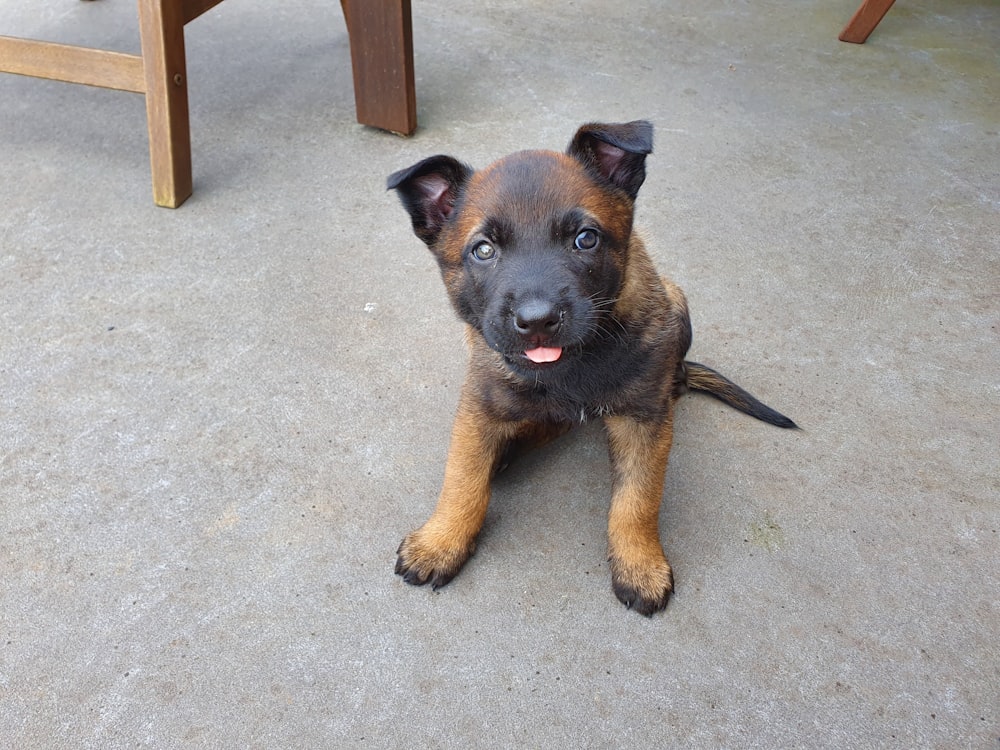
546,406
592,396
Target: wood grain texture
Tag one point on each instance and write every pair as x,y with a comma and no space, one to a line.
381,36
62,62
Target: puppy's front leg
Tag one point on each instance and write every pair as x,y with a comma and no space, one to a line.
640,574
436,551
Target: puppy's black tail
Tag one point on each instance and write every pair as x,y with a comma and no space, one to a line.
701,378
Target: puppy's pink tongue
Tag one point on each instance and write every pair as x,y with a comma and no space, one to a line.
543,354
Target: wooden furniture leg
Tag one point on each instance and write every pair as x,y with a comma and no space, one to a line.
161,30
864,20
159,73
381,38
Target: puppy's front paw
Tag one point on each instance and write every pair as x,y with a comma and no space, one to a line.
642,582
424,557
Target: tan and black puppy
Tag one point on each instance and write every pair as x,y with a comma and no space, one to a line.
567,320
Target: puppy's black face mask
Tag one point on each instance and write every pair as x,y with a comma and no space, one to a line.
533,248
540,270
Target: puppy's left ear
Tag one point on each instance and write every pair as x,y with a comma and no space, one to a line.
429,190
615,152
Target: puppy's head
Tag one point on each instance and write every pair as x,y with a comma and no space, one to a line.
533,248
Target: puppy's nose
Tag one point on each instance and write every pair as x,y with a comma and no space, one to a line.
537,317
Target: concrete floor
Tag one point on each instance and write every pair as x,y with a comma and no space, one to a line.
218,422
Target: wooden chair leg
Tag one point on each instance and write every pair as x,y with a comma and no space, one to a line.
161,29
381,37
864,20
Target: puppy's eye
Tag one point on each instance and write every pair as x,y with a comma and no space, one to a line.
484,251
588,239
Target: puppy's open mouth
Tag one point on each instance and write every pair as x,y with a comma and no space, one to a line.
543,354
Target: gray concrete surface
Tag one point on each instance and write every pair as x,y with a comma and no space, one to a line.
216,423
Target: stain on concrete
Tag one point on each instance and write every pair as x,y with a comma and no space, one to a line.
766,533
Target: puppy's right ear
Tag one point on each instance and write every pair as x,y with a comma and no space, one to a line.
429,191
